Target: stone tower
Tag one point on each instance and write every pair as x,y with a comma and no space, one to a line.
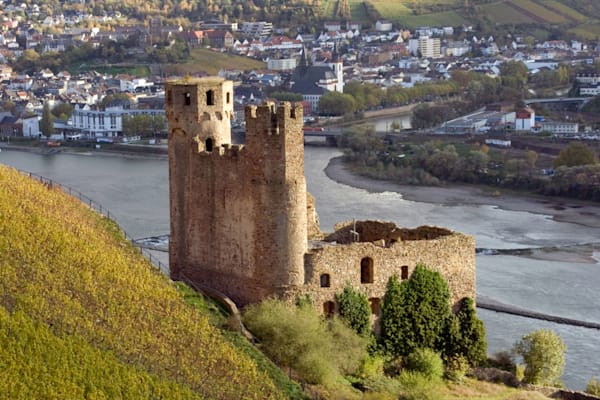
238,212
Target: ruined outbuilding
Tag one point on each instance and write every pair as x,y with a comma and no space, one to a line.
243,223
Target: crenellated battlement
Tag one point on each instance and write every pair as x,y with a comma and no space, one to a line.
273,120
200,107
225,150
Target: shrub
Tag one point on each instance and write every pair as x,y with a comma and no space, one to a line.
593,387
426,362
472,343
319,351
415,312
456,368
544,354
416,386
354,308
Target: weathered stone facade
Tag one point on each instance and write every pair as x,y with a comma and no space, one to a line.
241,218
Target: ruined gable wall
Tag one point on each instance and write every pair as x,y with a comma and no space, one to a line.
452,255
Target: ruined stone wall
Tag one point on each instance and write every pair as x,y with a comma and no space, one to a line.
452,255
238,213
241,216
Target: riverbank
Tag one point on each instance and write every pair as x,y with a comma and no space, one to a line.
559,209
120,150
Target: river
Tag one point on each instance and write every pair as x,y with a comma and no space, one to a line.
135,190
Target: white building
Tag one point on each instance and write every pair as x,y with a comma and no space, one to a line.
383,26
525,120
429,47
558,128
281,64
107,123
457,49
133,85
31,127
257,29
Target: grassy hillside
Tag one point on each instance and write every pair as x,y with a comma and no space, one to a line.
412,13
82,312
211,62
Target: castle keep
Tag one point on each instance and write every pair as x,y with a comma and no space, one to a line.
243,223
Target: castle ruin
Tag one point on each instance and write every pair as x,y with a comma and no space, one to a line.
243,223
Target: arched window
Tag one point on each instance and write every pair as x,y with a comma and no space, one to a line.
208,145
210,98
325,280
404,272
188,98
328,308
366,270
375,305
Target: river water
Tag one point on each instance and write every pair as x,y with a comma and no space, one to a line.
135,190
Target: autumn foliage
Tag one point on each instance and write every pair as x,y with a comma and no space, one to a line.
71,285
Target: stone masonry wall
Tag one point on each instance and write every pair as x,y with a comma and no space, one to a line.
452,255
241,215
238,212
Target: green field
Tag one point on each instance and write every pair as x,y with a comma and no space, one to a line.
565,10
211,62
541,11
502,14
448,18
389,9
412,13
589,30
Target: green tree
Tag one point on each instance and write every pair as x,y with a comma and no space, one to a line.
286,96
543,352
472,343
47,121
354,308
62,110
112,98
576,153
334,103
415,312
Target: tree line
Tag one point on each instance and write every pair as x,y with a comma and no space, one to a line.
576,169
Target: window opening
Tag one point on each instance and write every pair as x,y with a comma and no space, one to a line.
366,270
328,308
375,305
404,272
228,100
210,98
188,98
325,280
208,145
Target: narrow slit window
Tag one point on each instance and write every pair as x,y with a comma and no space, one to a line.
366,270
328,309
404,272
375,305
210,98
228,97
188,98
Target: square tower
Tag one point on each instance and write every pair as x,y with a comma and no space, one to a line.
200,109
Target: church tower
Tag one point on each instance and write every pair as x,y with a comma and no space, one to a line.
337,67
